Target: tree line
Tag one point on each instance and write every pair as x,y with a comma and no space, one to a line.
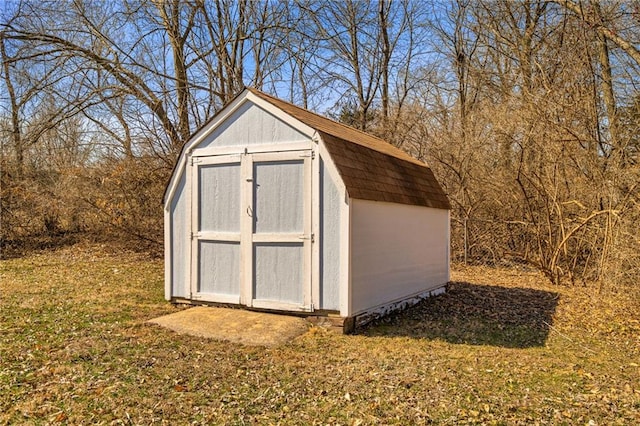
528,112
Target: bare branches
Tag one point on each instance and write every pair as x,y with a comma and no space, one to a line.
592,20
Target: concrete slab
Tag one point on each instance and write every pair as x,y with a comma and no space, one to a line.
234,325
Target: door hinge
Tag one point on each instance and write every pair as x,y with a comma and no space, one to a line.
311,154
308,237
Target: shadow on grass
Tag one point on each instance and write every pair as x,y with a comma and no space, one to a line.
14,249
477,315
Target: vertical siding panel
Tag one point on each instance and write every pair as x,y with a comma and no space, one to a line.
180,239
251,125
329,242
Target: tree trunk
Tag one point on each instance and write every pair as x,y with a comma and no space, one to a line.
16,134
386,59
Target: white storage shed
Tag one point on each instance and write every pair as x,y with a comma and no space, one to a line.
271,206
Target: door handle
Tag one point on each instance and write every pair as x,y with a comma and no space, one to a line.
249,211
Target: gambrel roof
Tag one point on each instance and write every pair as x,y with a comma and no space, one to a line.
371,168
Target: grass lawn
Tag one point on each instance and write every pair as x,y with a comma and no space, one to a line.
502,347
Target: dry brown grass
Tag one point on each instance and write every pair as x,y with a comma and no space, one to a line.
75,350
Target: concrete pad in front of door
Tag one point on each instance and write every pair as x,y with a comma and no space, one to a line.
234,325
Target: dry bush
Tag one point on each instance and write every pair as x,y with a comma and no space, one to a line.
39,204
117,199
123,198
534,169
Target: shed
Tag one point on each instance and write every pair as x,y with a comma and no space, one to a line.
273,207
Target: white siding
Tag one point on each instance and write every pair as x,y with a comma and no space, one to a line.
180,240
251,125
396,251
329,241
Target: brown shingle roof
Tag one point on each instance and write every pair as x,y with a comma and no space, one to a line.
371,168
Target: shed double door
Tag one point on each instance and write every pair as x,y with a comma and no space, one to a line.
251,230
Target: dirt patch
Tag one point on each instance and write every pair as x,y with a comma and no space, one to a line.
235,325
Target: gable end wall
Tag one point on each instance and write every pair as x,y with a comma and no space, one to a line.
251,125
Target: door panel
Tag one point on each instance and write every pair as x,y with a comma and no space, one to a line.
281,231
216,235
278,197
219,268
251,226
278,275
219,192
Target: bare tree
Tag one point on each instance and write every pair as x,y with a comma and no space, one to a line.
527,111
593,18
349,32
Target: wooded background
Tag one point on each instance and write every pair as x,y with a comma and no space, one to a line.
528,112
